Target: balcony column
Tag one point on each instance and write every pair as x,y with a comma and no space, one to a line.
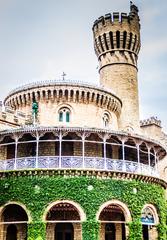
123,155
104,149
83,149
37,150
156,161
138,157
15,158
149,161
138,153
60,148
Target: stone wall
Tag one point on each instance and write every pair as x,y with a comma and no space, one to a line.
122,79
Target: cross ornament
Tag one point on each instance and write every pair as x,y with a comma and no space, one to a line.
63,75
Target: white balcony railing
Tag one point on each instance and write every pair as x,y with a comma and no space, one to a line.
74,162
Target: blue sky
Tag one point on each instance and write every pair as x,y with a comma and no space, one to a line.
39,39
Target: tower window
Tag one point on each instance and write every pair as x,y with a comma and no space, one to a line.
106,120
64,115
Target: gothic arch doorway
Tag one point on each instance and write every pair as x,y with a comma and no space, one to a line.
64,231
64,221
113,216
13,219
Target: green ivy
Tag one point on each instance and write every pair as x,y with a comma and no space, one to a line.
37,192
135,230
90,230
36,231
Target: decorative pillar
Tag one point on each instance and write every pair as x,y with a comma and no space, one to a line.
123,155
156,162
37,150
138,157
149,163
123,150
16,146
104,148
83,149
60,148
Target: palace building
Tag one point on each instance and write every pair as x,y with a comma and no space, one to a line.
76,162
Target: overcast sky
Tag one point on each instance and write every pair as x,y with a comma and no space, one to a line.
39,39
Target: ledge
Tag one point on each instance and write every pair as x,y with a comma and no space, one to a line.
85,173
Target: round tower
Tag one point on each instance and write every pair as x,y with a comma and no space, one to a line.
117,44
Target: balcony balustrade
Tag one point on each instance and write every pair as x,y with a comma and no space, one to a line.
78,162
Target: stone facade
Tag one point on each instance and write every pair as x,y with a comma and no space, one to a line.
86,132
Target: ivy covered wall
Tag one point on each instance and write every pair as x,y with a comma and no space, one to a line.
37,192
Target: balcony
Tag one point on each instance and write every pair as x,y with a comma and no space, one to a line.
80,163
79,149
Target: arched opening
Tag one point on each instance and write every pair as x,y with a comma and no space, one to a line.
7,148
118,38
149,221
26,146
63,222
113,221
94,152
48,145
143,151
67,146
14,223
113,148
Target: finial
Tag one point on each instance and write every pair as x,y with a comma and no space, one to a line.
63,75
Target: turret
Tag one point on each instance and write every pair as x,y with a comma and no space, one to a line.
117,44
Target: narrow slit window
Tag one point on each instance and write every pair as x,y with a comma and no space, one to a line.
67,117
60,116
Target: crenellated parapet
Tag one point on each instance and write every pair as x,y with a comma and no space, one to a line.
63,92
151,121
117,37
152,127
9,118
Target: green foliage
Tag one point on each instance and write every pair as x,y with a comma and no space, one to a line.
37,192
135,229
36,231
90,230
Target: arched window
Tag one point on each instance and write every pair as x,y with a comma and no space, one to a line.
147,216
149,219
64,115
106,120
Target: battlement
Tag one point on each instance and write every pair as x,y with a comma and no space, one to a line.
117,17
150,121
10,118
117,37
